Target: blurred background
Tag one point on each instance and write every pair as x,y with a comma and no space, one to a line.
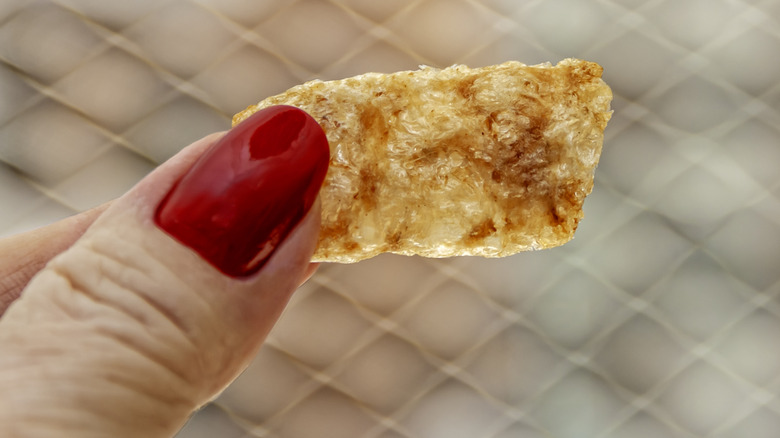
661,318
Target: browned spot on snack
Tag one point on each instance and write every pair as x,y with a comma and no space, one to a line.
524,166
489,121
480,231
367,187
466,87
374,134
524,173
578,75
351,245
393,240
373,127
337,228
555,219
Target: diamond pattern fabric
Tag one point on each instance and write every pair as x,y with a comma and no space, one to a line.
659,320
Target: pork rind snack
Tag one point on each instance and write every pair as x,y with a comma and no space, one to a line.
447,162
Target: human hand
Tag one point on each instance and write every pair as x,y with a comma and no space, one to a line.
169,293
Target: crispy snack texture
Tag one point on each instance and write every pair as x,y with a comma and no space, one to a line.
457,161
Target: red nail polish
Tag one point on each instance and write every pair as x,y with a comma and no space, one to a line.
244,195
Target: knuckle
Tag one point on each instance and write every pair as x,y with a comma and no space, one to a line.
118,302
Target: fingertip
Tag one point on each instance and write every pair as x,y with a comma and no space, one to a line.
291,263
310,271
244,196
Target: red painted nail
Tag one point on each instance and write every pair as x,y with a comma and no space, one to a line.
244,195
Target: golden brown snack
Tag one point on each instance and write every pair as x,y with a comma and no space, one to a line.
457,161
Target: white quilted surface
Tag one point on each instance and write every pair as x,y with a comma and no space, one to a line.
660,319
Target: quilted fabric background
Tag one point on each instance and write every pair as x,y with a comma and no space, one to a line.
660,319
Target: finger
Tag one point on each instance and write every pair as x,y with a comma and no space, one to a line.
23,255
310,270
171,291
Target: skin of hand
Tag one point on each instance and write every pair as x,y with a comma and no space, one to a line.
137,324
23,255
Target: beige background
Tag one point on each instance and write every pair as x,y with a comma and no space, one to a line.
660,319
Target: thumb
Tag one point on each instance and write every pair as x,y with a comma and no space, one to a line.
169,294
